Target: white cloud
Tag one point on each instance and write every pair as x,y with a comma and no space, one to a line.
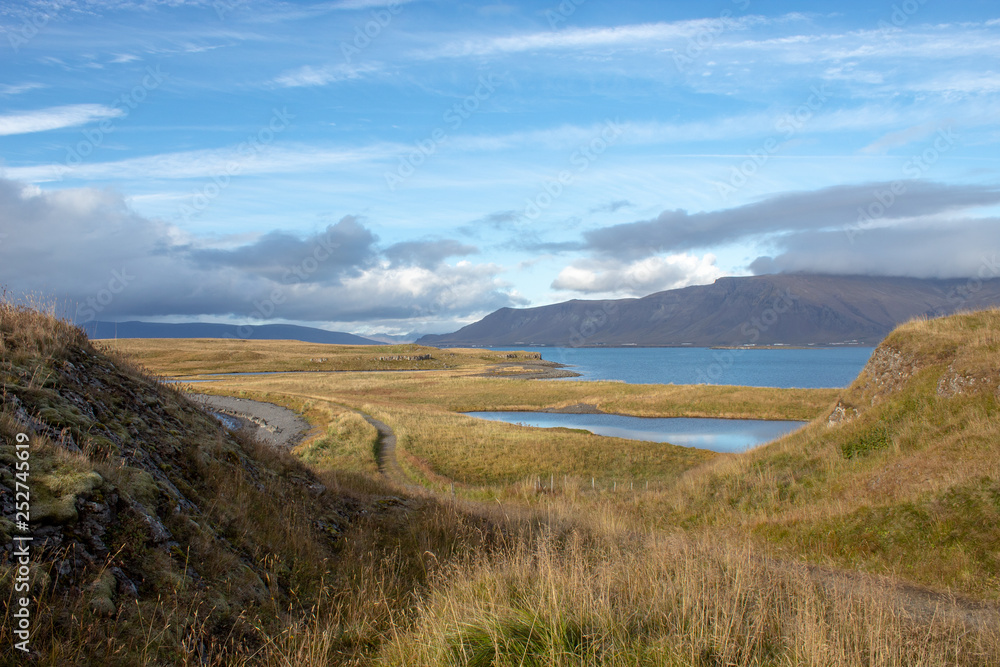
961,82
202,164
366,4
629,36
461,287
19,88
320,76
902,137
651,274
117,263
55,118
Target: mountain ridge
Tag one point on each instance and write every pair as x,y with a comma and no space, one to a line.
98,330
788,309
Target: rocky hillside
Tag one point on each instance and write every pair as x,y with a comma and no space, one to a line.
789,309
158,536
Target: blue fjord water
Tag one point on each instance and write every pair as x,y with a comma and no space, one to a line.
807,368
718,435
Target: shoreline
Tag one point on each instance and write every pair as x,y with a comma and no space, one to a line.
272,424
671,346
529,369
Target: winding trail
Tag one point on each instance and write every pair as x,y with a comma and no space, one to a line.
282,427
387,463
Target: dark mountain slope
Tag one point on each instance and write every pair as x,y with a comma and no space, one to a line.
101,330
786,308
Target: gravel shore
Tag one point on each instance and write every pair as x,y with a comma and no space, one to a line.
275,425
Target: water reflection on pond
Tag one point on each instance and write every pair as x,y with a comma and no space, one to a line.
717,435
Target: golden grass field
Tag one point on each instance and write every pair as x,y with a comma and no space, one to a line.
709,565
436,443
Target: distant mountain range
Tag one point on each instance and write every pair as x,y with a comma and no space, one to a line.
394,339
790,309
98,329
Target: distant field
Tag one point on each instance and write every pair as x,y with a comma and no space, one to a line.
852,495
437,445
901,485
186,357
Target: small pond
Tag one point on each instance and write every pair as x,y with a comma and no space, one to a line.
717,435
230,423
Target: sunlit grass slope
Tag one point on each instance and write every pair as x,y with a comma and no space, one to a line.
902,477
275,562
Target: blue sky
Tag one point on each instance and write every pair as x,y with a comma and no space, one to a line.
368,166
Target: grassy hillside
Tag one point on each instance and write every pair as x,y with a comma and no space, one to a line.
899,479
163,539
160,538
902,477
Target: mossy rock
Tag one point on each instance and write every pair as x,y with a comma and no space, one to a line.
64,416
6,529
54,510
102,602
54,494
62,481
140,485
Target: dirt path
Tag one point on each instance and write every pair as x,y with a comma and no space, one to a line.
273,424
387,463
282,427
920,604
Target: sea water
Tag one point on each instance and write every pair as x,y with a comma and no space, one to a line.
807,368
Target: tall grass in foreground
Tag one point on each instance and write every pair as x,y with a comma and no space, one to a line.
672,602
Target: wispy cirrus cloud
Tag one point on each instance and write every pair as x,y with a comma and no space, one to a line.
18,88
630,36
366,4
54,118
203,164
323,75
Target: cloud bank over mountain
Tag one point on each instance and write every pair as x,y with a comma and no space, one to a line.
101,259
